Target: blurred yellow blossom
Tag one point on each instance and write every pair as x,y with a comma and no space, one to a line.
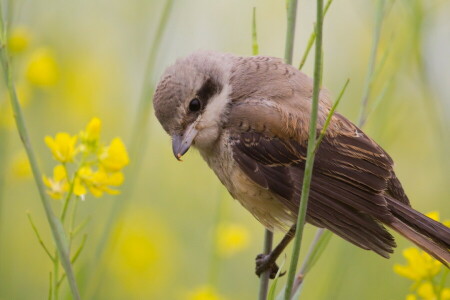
425,272
144,256
91,135
231,238
42,69
20,166
115,156
204,293
58,183
427,292
420,265
19,39
97,182
62,146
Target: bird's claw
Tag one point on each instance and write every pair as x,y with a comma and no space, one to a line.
265,263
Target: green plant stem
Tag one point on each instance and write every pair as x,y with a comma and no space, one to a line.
268,235
290,31
372,60
55,224
255,46
330,115
264,279
138,146
310,154
312,38
139,138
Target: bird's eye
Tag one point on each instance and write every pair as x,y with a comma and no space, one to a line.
195,105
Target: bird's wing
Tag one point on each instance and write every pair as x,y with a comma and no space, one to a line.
350,176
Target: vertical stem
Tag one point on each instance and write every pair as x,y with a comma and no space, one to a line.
310,153
289,49
290,31
55,225
264,280
371,69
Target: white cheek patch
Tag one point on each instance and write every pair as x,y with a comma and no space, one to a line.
214,109
208,125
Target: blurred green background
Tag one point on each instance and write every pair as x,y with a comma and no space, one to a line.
84,59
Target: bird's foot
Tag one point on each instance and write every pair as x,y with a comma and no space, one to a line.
264,263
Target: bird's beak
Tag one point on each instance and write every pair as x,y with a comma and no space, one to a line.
182,143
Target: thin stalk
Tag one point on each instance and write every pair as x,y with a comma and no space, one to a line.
138,146
255,45
41,241
264,280
55,225
312,38
139,138
372,60
268,235
330,115
290,31
322,236
289,49
310,154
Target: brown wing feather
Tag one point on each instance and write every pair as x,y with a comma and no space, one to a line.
349,178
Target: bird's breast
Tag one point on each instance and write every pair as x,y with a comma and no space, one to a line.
263,204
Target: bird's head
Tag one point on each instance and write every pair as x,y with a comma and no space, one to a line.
191,100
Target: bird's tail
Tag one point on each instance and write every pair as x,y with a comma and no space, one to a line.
430,235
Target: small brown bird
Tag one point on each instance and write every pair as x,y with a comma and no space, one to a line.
249,119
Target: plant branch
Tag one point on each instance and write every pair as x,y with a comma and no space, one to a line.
290,31
372,60
310,153
312,38
55,225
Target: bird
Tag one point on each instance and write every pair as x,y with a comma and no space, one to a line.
248,117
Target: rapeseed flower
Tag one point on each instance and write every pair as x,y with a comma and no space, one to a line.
57,184
420,265
425,272
204,293
98,182
115,156
19,40
98,168
90,137
62,146
231,238
42,69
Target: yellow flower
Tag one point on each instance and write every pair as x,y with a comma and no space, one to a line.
114,157
62,146
58,184
204,293
144,256
231,238
97,182
411,297
20,166
42,69
19,40
433,215
427,292
420,265
91,135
